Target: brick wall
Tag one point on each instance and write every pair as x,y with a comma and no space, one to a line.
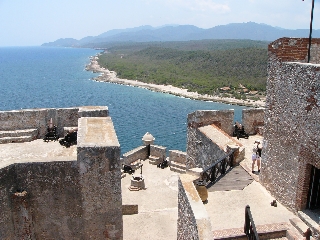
292,114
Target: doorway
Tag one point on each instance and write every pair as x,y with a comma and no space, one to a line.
313,201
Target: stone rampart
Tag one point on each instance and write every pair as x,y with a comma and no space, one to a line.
253,120
178,156
98,162
39,118
141,152
291,139
221,118
158,151
193,219
202,151
79,198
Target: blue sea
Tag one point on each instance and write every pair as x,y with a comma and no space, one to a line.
43,77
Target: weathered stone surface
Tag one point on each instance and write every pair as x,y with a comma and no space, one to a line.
178,156
222,119
141,152
291,132
193,219
158,151
252,120
64,198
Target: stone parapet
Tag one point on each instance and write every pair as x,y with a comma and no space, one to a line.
158,151
177,156
141,152
40,118
253,120
193,219
221,118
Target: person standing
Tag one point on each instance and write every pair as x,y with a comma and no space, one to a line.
256,155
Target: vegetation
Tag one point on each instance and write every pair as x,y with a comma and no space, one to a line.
203,66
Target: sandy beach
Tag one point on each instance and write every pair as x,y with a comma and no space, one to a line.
111,76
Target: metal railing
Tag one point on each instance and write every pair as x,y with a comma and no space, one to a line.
219,168
249,227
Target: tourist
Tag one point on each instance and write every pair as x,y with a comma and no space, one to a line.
256,155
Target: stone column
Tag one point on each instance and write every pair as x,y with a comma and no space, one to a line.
100,178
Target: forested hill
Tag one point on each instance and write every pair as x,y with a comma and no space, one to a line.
203,66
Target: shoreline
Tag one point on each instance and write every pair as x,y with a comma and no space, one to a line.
111,76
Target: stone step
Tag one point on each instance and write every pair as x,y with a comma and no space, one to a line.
178,170
154,160
267,231
20,139
19,133
298,225
177,165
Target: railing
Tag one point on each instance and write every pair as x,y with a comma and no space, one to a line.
249,227
218,168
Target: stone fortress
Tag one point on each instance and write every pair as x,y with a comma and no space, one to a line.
78,194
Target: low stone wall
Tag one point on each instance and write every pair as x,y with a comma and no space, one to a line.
193,219
253,120
158,151
141,152
223,119
178,156
40,118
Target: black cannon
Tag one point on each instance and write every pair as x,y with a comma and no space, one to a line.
69,139
51,134
239,131
163,164
128,169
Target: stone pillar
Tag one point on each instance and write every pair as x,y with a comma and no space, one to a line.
100,178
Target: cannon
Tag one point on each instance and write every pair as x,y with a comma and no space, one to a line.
69,139
127,169
163,164
239,131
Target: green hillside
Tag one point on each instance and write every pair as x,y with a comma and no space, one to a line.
203,66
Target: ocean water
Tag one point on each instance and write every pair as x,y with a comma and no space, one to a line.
41,77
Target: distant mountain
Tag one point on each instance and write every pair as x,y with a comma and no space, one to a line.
249,30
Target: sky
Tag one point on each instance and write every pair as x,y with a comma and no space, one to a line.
33,22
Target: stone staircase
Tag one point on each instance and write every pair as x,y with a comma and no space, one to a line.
18,136
177,167
295,230
154,160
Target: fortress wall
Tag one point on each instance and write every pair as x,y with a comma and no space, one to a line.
201,150
100,178
221,118
51,205
158,151
193,219
135,154
252,118
6,186
39,118
291,136
178,156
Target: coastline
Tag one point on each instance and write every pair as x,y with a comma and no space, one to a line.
111,76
